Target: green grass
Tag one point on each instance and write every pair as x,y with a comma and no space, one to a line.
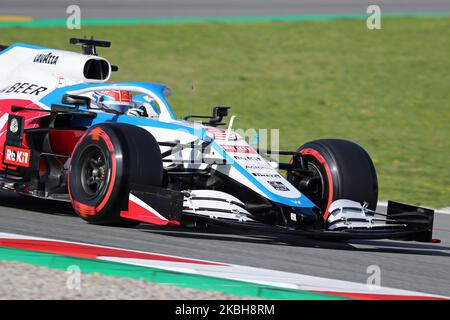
388,90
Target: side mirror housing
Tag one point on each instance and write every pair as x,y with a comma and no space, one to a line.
75,100
218,113
216,119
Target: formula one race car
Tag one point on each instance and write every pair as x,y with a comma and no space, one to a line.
65,137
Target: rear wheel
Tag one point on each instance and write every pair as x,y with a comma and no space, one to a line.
107,161
330,169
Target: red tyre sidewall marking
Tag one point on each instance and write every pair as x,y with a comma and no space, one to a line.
77,206
110,146
321,159
84,209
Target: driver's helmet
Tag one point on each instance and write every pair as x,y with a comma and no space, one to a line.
119,101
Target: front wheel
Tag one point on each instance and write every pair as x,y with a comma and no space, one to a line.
331,169
106,162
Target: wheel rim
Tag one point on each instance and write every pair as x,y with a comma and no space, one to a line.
94,172
311,182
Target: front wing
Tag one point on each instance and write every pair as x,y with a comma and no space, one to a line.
166,207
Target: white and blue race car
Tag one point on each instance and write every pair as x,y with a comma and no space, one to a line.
119,169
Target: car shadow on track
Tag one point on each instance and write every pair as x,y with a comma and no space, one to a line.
226,234
12,200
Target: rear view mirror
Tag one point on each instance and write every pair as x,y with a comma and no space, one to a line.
217,115
220,112
75,100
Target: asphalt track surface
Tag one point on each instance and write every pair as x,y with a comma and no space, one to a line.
404,265
411,266
56,9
